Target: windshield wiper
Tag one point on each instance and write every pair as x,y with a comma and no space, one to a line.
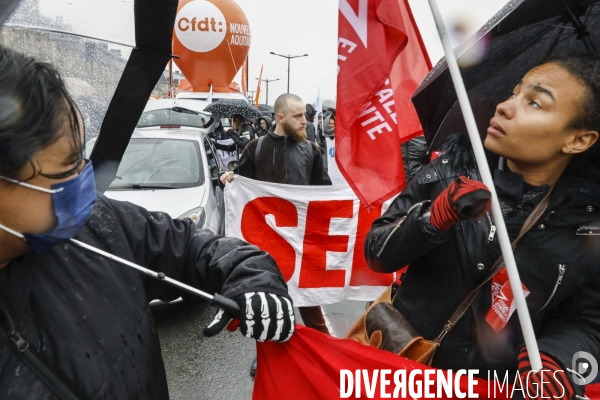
139,187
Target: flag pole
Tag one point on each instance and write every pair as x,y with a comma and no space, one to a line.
486,176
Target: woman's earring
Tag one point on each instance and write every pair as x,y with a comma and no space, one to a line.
571,150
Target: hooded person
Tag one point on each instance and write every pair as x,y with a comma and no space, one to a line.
76,325
544,141
327,133
311,132
264,126
329,125
219,132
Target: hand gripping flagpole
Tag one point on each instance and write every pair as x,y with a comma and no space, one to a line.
486,176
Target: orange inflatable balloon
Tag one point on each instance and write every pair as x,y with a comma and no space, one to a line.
184,86
212,40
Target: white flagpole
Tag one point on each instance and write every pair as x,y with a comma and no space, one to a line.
484,170
210,95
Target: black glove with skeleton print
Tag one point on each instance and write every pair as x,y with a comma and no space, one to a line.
263,316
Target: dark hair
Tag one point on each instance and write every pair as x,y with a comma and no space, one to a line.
586,69
33,105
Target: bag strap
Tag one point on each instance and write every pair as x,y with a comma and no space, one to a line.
20,347
533,218
256,151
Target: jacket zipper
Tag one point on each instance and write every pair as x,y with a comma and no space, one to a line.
30,358
398,224
492,228
561,272
387,239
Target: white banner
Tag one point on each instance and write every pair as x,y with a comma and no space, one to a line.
315,233
332,168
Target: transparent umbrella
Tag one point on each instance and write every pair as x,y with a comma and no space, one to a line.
89,46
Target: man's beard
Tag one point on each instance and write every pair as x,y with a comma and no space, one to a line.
299,135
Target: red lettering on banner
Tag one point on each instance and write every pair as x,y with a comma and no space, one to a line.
256,230
317,242
362,275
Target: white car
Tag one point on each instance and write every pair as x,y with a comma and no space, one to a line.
170,164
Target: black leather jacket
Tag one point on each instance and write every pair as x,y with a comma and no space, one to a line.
283,160
444,268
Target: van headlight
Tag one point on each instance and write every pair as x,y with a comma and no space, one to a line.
198,215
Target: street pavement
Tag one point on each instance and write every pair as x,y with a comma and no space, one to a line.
217,368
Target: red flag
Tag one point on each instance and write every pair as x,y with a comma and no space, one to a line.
309,365
370,106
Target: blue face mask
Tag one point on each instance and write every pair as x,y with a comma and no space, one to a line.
72,200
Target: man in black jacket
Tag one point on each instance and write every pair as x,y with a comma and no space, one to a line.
286,156
83,316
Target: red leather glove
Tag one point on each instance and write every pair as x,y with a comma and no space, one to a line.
533,387
462,199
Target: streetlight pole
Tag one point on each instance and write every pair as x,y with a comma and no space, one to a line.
289,57
268,80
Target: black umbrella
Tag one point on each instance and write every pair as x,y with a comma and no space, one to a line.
521,35
227,108
263,108
6,8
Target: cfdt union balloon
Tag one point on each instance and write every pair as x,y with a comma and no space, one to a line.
212,40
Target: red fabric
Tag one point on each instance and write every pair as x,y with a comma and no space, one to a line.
552,381
593,391
307,367
372,33
444,210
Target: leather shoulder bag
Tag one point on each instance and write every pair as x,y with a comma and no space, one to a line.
384,327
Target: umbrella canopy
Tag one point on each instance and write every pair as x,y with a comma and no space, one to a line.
520,36
6,8
329,105
227,108
263,108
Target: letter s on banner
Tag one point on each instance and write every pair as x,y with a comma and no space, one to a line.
256,230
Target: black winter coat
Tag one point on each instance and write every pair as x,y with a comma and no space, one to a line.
239,142
89,317
283,160
444,268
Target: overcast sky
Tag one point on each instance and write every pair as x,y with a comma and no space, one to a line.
282,26
310,26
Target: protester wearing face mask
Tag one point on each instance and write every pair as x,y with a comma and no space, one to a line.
84,319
